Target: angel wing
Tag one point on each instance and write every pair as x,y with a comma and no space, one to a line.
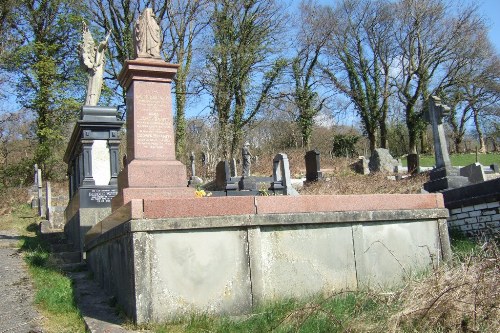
87,48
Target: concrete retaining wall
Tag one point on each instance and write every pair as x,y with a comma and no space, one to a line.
165,267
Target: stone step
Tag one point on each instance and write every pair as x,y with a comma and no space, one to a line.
62,247
77,267
74,257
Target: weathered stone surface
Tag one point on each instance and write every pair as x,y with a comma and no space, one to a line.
281,269
386,253
313,167
382,161
474,172
166,267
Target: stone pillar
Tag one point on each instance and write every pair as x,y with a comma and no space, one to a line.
114,157
152,171
48,202
87,162
444,176
313,168
40,192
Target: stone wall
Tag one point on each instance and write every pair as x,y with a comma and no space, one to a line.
475,209
160,268
476,221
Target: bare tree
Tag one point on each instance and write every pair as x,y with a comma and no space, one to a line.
429,34
244,39
314,33
360,58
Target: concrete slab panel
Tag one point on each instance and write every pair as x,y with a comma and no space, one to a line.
300,261
202,271
388,252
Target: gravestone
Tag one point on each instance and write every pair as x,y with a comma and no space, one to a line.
193,180
382,161
48,203
474,172
281,176
444,176
93,160
313,168
152,171
223,180
495,168
232,168
361,166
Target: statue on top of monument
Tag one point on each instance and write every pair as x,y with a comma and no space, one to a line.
147,35
92,60
246,157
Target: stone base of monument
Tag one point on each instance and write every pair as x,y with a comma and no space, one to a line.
445,178
195,181
170,257
252,183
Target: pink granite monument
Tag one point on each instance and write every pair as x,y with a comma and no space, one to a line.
151,170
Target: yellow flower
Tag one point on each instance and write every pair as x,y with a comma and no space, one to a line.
200,193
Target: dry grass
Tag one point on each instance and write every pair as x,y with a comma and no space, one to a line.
12,197
463,298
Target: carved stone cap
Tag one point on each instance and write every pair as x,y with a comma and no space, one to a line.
146,69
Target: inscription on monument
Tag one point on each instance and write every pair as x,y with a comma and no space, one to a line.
152,124
102,195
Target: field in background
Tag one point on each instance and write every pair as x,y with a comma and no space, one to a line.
460,159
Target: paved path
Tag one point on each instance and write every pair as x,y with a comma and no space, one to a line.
17,313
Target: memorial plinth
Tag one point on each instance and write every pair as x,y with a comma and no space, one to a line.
151,170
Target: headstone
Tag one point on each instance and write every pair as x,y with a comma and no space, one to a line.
361,166
193,167
232,168
203,159
246,158
495,168
413,161
193,180
223,177
444,176
281,175
474,172
313,168
152,170
382,161
48,202
40,192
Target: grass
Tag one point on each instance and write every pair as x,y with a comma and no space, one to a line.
460,159
53,290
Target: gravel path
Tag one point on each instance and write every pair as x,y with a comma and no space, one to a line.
17,313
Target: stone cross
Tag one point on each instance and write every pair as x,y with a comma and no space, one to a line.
434,114
192,159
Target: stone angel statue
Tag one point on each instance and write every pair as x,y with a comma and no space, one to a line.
147,38
92,60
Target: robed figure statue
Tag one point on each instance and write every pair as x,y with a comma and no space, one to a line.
92,60
147,38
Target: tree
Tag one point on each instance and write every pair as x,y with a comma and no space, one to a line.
244,35
46,63
430,38
360,58
186,20
312,38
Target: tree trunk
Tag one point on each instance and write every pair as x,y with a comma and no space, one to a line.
482,145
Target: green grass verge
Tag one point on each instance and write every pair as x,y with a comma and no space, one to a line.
53,290
460,159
